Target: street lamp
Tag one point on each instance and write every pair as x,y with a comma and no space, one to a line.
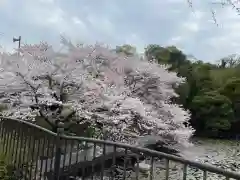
17,39
19,42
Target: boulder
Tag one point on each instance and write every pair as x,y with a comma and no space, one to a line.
160,144
143,167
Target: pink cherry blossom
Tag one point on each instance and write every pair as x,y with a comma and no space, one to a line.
134,93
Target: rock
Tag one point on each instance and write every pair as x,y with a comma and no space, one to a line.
159,144
143,167
75,178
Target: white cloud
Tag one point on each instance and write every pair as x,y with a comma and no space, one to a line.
176,39
187,31
169,22
136,41
47,1
42,14
191,26
76,20
2,2
56,17
101,24
226,38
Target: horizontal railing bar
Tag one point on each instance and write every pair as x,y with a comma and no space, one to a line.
29,124
206,167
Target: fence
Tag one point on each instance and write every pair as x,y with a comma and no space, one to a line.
37,153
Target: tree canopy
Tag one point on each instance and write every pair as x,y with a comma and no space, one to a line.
211,91
121,97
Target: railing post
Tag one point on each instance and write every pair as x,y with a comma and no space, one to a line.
57,161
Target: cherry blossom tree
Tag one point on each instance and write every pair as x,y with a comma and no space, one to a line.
91,86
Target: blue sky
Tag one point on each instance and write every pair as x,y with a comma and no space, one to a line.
115,22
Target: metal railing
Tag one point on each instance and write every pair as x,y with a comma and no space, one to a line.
37,153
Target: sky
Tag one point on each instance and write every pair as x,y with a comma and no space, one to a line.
117,22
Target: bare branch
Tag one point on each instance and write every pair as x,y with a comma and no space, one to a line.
223,3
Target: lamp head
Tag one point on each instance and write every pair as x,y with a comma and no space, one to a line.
16,39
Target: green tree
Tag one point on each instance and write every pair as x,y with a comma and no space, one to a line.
211,113
232,90
231,61
166,55
161,54
126,49
211,91
198,80
176,58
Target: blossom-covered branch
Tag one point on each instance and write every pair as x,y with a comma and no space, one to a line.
124,97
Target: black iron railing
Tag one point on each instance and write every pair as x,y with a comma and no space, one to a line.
37,153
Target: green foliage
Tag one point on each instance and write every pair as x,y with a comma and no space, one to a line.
160,53
221,75
2,107
6,172
3,168
169,55
211,92
212,112
231,89
126,49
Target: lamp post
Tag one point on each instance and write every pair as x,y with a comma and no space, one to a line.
19,42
